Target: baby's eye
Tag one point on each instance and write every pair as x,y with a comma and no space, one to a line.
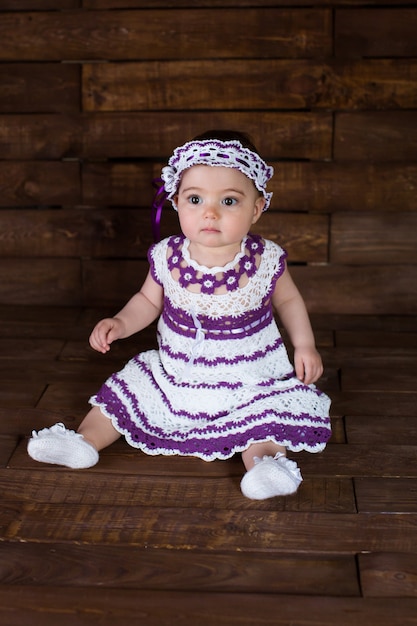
194,199
229,201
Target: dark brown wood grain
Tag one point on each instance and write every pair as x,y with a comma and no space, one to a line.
33,183
378,136
386,494
345,289
385,338
214,609
371,238
376,429
350,186
43,5
117,4
74,35
77,233
374,403
7,447
250,84
117,567
119,184
216,530
376,32
375,379
382,574
41,281
16,395
121,278
28,87
149,135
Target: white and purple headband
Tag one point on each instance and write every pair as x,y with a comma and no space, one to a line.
215,153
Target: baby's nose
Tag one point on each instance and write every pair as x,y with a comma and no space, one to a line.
211,209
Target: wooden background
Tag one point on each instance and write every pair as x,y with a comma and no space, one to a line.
95,94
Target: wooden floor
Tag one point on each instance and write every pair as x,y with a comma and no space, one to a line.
167,541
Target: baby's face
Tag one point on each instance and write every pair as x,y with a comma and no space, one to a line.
217,205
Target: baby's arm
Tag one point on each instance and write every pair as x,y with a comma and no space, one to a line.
141,310
292,311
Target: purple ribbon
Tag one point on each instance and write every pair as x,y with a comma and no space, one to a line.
159,200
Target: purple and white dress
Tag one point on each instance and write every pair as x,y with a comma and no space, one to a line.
221,378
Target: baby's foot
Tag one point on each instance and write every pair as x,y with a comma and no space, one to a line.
271,476
61,446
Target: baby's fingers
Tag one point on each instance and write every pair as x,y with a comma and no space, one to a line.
299,368
313,371
307,369
98,344
99,338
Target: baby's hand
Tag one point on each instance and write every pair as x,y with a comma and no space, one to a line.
308,365
104,333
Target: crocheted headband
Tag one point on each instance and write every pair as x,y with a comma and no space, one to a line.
211,152
216,153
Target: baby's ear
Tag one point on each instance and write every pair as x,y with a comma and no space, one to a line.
258,209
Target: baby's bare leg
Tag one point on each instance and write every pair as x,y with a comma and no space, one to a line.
98,429
266,448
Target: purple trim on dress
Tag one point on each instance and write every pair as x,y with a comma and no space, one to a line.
229,327
296,438
184,383
152,267
115,401
210,417
201,360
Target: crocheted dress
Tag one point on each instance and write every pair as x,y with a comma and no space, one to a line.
221,378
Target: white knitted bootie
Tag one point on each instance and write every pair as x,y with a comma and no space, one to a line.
271,476
61,446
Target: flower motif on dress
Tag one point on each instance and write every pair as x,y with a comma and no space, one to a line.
255,245
173,261
231,280
249,266
188,275
208,284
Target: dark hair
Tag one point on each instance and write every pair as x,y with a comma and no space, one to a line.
228,135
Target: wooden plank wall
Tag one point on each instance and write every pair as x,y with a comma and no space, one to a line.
95,94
